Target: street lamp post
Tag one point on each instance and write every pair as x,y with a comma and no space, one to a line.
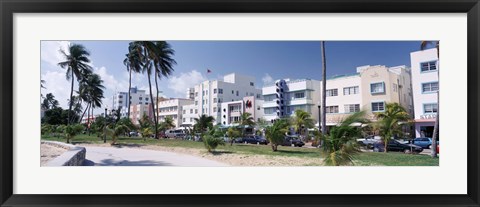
105,128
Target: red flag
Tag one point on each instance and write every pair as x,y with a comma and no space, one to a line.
209,71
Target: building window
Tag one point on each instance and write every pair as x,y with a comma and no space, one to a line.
146,99
120,96
220,91
120,102
331,109
378,106
215,109
184,111
203,93
429,87
300,95
196,94
191,111
206,92
352,108
191,119
183,119
237,93
214,100
430,108
140,98
332,92
428,66
377,88
251,83
233,91
214,91
196,103
196,111
350,90
395,87
219,100
258,95
269,110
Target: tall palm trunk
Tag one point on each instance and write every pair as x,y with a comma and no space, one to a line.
435,128
156,87
89,131
83,114
71,101
129,86
324,90
153,105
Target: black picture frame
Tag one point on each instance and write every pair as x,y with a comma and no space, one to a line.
10,7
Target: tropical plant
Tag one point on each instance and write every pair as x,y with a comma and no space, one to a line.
276,133
423,46
73,130
49,102
91,91
301,121
127,122
232,134
245,120
340,146
211,142
133,63
47,129
77,108
324,90
77,65
116,131
162,61
59,130
168,123
146,132
203,123
390,121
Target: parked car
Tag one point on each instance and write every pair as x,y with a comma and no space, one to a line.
174,133
424,142
369,141
394,145
292,141
254,140
133,134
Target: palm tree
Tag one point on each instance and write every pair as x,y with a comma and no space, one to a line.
301,121
324,89
390,121
246,119
77,64
203,123
276,133
77,109
233,133
133,63
91,89
116,131
340,146
168,123
49,102
423,46
163,61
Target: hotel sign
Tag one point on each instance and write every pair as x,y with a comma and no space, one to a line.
428,116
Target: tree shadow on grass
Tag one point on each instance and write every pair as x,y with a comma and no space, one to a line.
221,152
121,145
296,152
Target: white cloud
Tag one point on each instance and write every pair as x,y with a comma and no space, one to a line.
179,84
50,51
57,84
267,79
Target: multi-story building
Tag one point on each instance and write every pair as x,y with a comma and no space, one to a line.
173,108
370,89
283,97
190,93
120,100
209,95
188,118
231,111
137,111
425,87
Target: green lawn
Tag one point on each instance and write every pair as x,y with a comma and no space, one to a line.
362,159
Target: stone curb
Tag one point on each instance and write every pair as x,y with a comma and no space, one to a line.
75,156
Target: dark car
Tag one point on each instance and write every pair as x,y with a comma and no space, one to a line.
292,141
254,140
394,145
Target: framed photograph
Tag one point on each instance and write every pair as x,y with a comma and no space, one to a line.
233,103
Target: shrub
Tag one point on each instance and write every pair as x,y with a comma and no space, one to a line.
211,142
72,130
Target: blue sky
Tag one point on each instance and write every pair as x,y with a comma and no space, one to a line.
265,60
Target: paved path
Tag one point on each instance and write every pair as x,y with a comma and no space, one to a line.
112,156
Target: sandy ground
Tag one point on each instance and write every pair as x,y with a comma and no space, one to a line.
231,159
49,152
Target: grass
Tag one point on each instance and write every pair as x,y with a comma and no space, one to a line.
362,159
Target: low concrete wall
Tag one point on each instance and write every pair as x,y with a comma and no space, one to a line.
75,156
